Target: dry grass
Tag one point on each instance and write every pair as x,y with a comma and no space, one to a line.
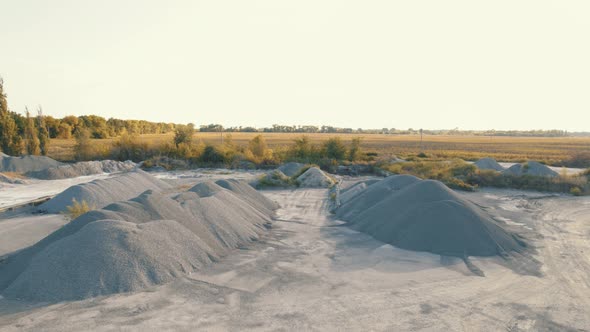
516,149
78,208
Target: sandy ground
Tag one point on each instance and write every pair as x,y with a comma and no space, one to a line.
309,273
23,230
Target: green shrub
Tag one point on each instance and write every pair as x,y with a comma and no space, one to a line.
302,150
576,191
184,134
354,153
212,155
83,150
333,148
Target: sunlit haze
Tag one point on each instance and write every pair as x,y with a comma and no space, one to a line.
371,64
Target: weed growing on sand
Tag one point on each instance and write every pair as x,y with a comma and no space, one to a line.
276,179
458,174
576,184
452,173
78,208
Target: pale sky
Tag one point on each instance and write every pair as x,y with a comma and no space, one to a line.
502,64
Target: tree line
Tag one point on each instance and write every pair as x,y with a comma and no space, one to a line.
31,133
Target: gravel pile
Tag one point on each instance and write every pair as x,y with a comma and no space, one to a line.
26,164
248,193
530,168
109,256
373,194
351,192
83,168
8,179
291,169
130,245
425,215
489,164
315,178
101,192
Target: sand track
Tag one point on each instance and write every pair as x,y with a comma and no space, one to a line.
309,273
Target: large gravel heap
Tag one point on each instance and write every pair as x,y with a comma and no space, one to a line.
130,245
101,192
425,215
489,164
315,178
373,194
531,168
26,164
83,168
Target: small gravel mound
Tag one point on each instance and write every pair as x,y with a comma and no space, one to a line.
206,189
26,164
489,164
315,178
531,168
83,168
291,169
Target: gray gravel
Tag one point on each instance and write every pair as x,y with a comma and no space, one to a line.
489,164
26,164
425,215
99,193
130,245
83,168
531,168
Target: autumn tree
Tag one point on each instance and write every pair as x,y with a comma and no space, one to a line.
31,137
302,149
184,134
10,140
42,132
258,146
333,148
83,148
354,151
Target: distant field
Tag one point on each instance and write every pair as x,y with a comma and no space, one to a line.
550,150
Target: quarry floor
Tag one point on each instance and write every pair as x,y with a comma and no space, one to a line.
311,273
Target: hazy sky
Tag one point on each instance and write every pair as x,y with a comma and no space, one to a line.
503,64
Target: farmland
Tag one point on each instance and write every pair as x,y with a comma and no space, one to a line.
554,151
